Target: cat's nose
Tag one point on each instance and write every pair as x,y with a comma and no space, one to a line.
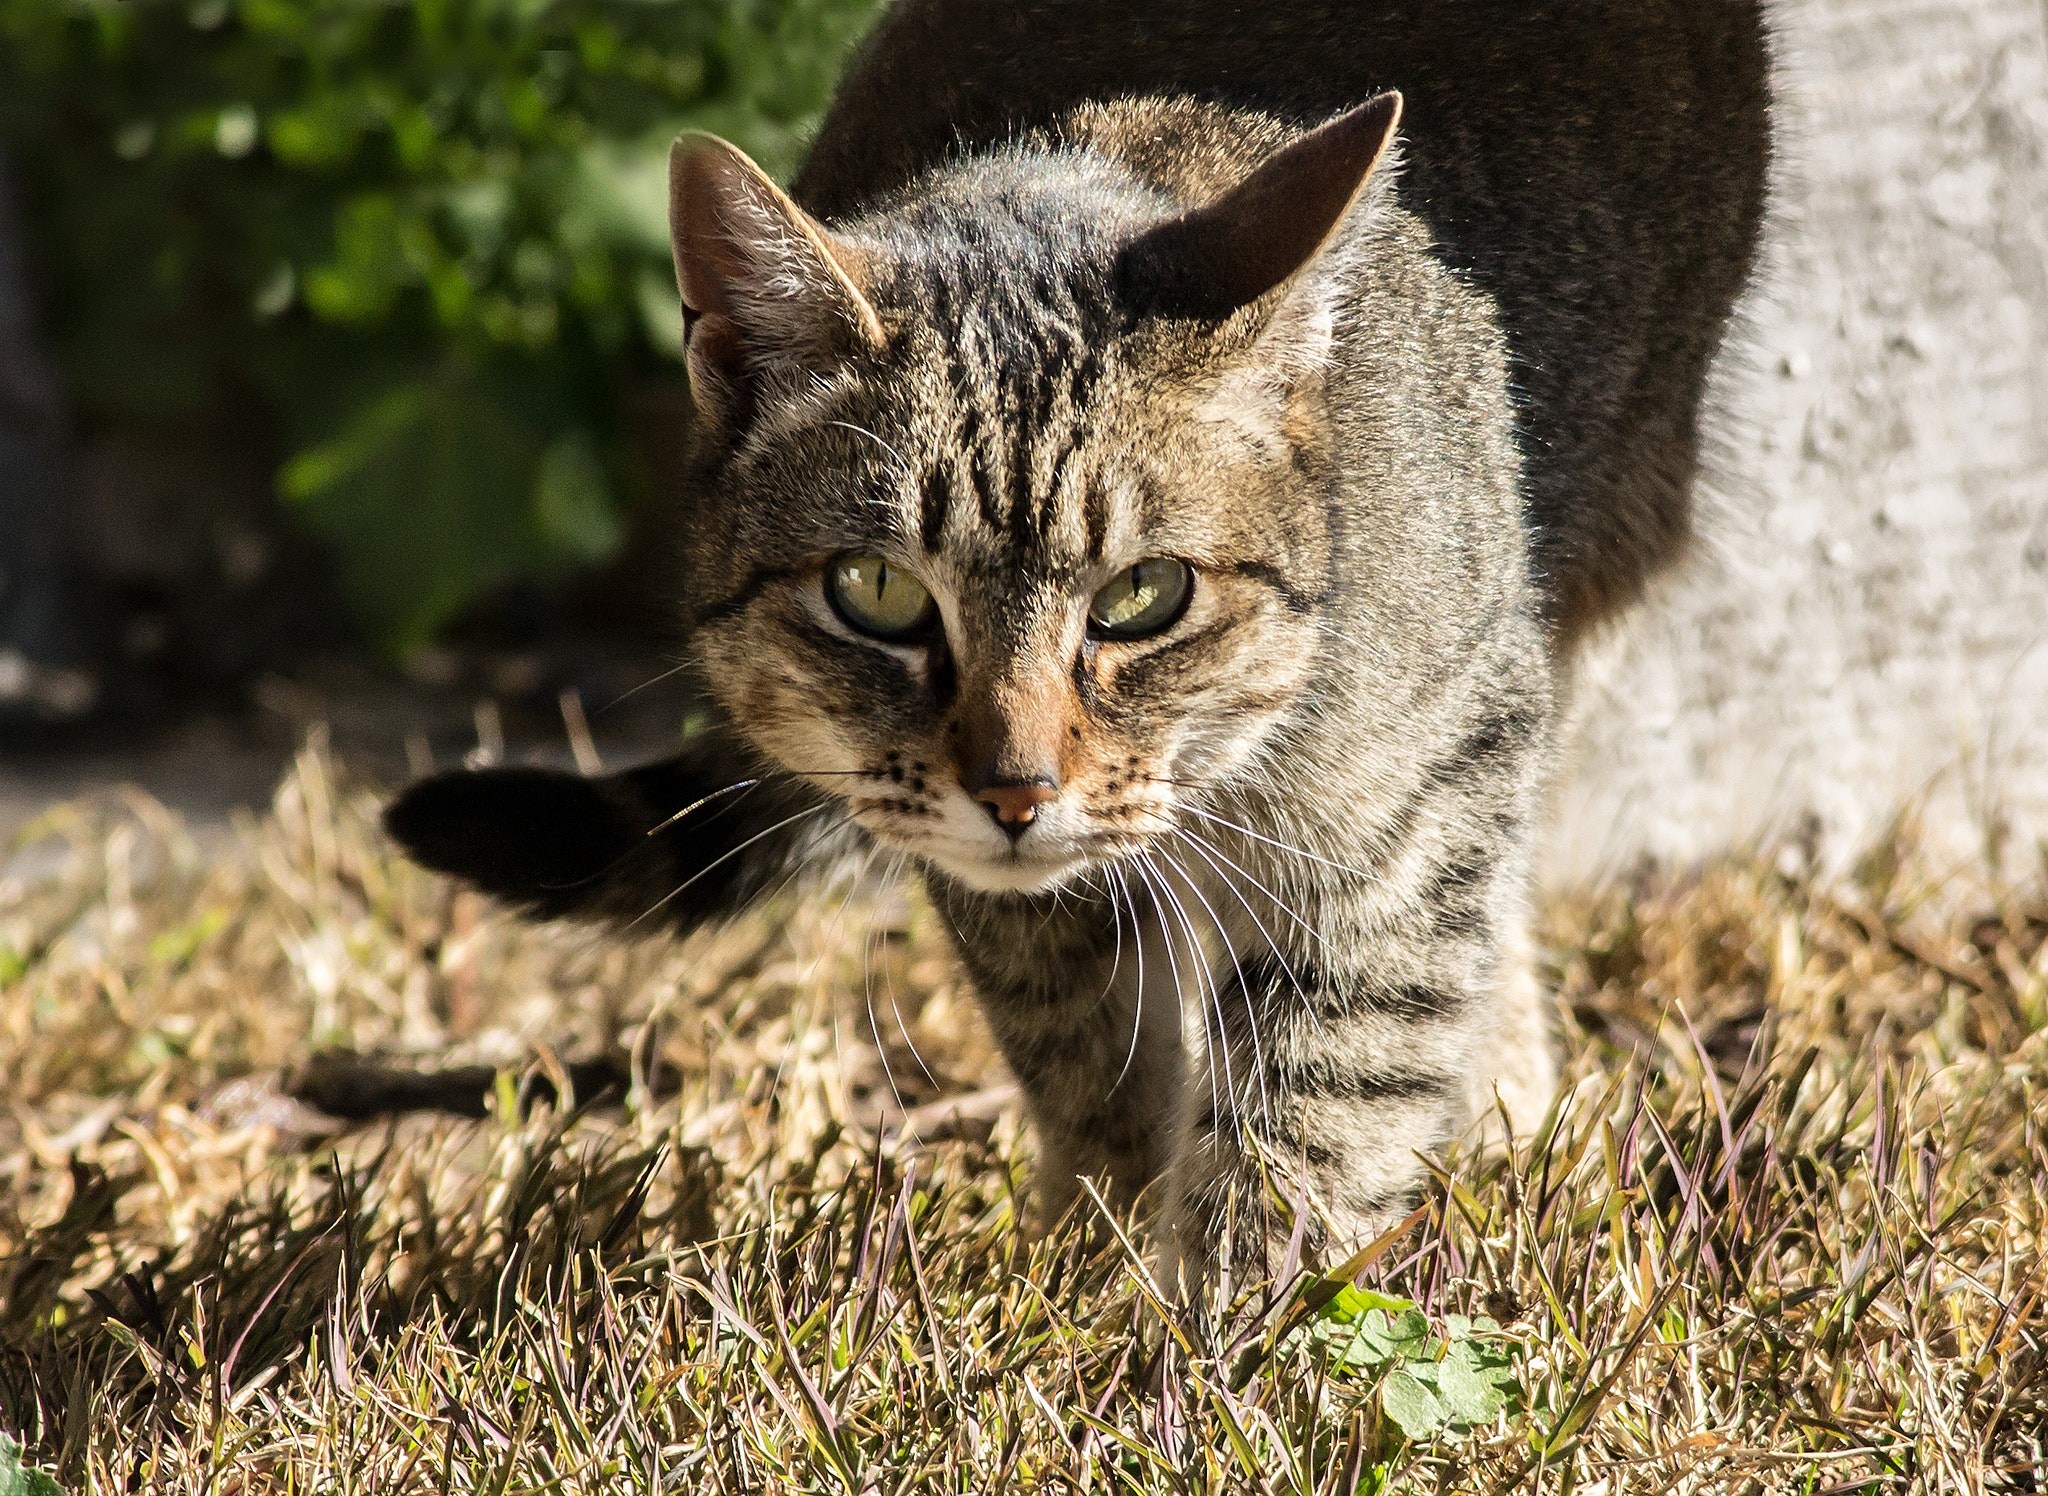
1014,805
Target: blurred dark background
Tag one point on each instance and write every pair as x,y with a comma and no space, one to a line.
339,344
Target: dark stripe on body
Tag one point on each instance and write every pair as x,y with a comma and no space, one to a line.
1455,895
1268,982
1508,729
1325,1079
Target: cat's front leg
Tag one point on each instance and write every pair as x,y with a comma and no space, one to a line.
1079,992
1343,1080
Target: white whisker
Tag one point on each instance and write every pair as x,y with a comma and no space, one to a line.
714,865
1144,870
1206,991
1269,841
867,983
1243,986
894,878
701,801
1265,934
1210,852
902,462
1138,945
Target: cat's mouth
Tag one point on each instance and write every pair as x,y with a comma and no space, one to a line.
1020,869
962,839
971,852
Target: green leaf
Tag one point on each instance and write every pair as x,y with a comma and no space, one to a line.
412,495
1468,1388
17,1479
1413,1407
1353,1303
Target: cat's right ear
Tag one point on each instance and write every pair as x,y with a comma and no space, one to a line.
767,290
1214,260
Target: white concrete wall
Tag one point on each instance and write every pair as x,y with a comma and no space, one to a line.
1866,625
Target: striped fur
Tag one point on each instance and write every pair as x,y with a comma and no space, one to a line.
1269,930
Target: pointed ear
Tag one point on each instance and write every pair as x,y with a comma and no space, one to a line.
1213,260
766,288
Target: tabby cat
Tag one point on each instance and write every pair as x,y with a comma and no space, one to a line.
1153,470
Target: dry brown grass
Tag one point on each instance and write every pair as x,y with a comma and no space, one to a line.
1788,1235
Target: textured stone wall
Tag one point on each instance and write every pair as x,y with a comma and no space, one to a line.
1865,627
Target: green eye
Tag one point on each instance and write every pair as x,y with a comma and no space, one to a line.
878,597
1149,597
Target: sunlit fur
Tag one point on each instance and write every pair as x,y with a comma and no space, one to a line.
1322,775
1020,442
1265,935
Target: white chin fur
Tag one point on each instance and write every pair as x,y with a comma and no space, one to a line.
1004,874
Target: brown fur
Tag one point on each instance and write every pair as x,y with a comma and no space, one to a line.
1245,897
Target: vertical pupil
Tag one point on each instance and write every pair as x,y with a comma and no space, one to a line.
881,581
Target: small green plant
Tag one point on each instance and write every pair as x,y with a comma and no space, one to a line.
1429,1383
17,1479
417,248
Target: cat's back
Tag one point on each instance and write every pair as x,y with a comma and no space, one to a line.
1598,168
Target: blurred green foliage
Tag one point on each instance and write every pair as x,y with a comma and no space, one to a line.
423,239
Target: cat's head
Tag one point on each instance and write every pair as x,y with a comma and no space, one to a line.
1010,525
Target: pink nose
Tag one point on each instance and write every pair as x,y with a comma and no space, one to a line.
1016,804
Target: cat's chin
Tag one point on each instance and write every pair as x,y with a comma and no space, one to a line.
1007,874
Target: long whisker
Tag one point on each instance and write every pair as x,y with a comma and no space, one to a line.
1267,935
867,983
1138,946
718,862
859,430
825,947
646,685
1269,841
747,784
1210,852
1143,868
1116,925
1244,987
798,866
701,801
893,877
1206,991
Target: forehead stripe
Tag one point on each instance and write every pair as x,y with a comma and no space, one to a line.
935,502
1095,519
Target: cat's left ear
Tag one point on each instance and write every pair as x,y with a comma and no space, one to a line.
1216,259
767,290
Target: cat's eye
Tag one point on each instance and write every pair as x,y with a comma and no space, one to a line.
1147,598
879,598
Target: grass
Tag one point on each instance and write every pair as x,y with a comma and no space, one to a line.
1787,1233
